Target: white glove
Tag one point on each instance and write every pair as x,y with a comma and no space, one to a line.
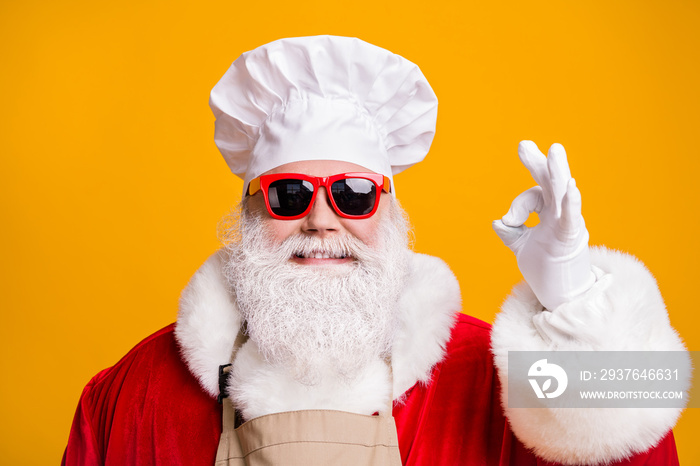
553,255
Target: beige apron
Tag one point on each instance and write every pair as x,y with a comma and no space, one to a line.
309,437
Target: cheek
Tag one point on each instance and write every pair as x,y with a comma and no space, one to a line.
367,230
280,230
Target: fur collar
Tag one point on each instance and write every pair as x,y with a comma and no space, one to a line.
208,322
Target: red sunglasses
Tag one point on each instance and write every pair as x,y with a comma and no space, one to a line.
289,196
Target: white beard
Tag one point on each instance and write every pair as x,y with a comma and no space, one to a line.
318,322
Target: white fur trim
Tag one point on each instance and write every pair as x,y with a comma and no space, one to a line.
209,320
623,311
429,307
257,388
207,323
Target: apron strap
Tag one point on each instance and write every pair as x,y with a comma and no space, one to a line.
229,452
225,369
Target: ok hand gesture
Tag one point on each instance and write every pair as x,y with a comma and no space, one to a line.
553,255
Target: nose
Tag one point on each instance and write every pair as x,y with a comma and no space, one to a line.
322,219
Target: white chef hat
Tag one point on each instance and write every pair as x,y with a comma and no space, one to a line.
322,98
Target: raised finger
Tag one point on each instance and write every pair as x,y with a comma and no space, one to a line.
559,173
535,162
571,208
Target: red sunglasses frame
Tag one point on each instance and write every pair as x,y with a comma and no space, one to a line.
262,183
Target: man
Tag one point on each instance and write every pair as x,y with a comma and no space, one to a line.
326,340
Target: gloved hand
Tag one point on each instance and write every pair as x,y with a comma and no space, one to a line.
553,255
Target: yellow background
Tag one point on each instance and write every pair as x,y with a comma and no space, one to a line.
111,186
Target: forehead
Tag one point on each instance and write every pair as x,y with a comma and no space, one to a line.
318,168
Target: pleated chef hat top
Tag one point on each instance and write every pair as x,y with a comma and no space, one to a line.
322,98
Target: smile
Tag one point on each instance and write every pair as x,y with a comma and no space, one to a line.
321,255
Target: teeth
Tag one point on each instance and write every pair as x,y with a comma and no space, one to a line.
320,255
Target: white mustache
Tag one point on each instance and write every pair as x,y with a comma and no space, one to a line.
309,246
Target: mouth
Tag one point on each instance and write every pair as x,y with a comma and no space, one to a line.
321,257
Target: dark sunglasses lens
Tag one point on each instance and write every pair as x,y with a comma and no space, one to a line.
289,198
354,196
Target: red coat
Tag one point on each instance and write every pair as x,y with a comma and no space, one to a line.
149,409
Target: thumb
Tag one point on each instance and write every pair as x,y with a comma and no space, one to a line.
509,235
